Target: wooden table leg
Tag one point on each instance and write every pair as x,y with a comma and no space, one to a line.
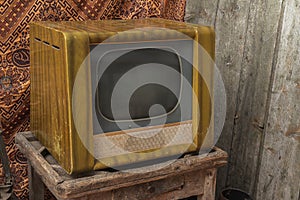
36,185
209,185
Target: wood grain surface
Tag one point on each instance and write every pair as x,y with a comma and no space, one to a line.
192,175
256,52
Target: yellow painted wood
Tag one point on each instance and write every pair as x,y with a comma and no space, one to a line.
58,49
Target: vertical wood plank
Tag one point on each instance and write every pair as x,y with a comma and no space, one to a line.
230,19
210,184
231,26
201,12
36,185
279,176
252,93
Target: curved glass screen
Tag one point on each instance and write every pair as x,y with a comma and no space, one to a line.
138,85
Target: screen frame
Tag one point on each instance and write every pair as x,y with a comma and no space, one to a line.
174,45
202,109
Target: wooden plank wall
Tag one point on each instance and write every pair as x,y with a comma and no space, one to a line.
258,54
279,176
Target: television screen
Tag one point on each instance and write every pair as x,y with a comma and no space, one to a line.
142,85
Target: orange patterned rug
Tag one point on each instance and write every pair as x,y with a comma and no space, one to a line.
15,15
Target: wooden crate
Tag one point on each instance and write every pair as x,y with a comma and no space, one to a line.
192,175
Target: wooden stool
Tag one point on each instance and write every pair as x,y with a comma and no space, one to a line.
192,175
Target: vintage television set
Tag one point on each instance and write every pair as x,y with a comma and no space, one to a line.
115,92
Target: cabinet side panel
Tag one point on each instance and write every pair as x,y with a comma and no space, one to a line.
48,110
51,103
205,53
80,101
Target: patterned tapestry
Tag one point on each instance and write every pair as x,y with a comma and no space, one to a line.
15,16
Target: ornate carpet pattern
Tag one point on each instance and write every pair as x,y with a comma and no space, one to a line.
15,15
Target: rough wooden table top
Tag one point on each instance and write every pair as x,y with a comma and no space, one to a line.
63,185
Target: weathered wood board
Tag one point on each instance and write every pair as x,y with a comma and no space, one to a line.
251,109
255,49
192,175
201,12
228,18
279,175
